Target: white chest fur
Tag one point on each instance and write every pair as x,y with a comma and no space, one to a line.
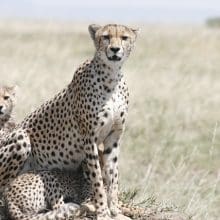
114,112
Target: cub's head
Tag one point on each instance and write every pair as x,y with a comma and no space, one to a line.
7,99
113,42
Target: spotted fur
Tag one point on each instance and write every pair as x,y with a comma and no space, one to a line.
41,195
68,129
45,195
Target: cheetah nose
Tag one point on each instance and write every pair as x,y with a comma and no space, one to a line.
115,49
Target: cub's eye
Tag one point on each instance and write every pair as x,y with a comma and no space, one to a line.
6,97
106,37
124,37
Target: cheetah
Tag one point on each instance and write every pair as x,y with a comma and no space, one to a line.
7,102
68,129
13,149
44,195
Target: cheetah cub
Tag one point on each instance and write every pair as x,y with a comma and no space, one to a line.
7,102
45,195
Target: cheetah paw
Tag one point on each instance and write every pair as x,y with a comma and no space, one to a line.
70,209
115,210
87,208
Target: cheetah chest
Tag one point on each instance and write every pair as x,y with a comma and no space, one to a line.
113,116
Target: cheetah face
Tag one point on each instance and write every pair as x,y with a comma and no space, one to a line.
113,42
7,97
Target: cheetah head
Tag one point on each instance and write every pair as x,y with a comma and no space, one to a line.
7,99
113,42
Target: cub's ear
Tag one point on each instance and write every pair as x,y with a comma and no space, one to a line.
92,30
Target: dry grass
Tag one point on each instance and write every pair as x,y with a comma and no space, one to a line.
171,149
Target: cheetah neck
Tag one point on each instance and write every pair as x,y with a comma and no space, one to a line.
112,74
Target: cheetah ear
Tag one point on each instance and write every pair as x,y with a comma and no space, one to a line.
93,29
136,31
12,90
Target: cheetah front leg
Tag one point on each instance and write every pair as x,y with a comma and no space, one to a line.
14,151
95,175
110,168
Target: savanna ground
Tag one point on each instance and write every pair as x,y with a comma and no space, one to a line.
171,149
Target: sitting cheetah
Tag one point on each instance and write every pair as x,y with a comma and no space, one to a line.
67,129
7,101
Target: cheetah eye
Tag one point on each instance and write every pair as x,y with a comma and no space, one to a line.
124,37
6,97
106,37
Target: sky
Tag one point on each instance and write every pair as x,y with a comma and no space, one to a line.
151,11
